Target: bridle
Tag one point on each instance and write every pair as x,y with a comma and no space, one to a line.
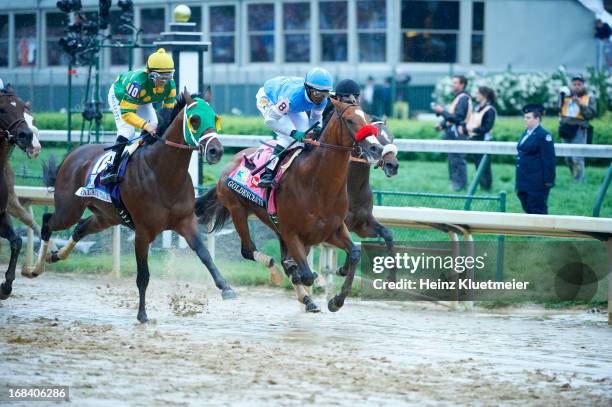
202,148
354,148
9,130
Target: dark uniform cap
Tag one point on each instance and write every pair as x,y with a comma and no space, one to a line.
578,77
347,87
533,107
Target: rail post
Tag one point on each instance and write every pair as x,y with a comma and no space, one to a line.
117,251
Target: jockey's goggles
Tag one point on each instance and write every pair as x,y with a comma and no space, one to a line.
318,93
166,76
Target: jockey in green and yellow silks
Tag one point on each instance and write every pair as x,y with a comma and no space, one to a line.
131,100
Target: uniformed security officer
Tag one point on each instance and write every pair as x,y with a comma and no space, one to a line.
576,109
535,163
459,112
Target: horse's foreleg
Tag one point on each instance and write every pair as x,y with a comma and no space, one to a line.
141,245
291,269
7,232
342,240
45,235
189,230
297,251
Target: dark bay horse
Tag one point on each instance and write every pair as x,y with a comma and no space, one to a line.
312,202
360,219
14,131
14,207
157,191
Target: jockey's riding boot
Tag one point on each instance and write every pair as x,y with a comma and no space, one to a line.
267,178
111,175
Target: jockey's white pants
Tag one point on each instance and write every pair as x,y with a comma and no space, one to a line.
294,120
124,129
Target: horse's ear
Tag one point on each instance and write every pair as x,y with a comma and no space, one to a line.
208,95
187,96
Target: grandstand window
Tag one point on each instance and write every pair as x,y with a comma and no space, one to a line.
477,32
296,17
118,56
196,16
261,32
333,24
223,33
26,47
4,40
371,28
152,23
55,24
429,31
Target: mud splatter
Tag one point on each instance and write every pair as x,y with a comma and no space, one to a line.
263,349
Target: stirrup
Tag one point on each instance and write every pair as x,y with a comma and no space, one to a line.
267,179
111,176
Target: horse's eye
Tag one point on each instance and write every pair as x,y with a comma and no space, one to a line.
2,111
350,121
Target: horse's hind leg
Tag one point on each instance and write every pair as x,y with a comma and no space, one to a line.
240,216
291,269
88,226
67,213
7,232
189,230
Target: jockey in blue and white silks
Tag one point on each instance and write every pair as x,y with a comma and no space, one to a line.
283,101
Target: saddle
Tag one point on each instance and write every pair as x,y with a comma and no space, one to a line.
243,182
109,193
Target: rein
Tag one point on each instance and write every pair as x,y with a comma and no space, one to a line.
334,146
326,145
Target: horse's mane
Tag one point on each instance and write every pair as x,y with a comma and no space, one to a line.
166,117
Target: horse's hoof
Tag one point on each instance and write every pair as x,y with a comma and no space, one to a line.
52,257
26,272
228,294
4,292
341,271
332,306
308,279
310,305
142,317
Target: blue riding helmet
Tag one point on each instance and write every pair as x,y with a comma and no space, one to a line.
319,79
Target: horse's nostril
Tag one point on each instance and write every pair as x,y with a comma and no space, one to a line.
213,151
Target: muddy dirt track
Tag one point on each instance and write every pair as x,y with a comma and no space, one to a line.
261,349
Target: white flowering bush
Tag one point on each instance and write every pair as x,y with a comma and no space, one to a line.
515,90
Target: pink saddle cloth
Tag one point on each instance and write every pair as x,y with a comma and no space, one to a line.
244,183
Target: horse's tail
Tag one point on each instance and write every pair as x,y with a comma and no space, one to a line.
50,169
208,208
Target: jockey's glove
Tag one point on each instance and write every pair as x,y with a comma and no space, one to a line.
298,135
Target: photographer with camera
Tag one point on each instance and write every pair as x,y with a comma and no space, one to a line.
577,108
458,113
